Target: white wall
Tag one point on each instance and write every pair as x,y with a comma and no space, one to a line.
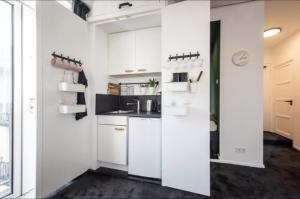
63,143
99,64
241,88
185,139
286,50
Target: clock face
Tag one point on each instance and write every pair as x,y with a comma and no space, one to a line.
240,58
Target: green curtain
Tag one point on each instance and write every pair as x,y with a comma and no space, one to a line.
215,27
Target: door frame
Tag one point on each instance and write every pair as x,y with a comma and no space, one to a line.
16,136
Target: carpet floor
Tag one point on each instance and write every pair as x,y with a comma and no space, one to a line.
279,180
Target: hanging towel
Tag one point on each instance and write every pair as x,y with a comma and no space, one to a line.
80,96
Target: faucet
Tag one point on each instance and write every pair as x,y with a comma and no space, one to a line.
137,105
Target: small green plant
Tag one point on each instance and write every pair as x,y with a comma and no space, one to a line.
152,82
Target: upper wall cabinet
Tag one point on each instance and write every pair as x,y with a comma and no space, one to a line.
148,50
107,10
121,53
135,52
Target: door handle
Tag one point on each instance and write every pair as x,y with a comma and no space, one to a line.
289,101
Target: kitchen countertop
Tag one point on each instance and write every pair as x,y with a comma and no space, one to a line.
135,114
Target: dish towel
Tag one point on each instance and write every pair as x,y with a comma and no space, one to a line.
80,96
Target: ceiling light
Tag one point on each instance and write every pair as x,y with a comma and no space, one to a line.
272,32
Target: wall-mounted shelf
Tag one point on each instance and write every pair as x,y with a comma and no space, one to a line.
68,87
176,110
176,86
70,109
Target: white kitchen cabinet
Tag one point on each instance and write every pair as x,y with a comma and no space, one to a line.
104,7
106,10
144,150
148,50
135,52
112,144
121,53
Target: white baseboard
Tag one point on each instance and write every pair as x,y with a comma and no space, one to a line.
114,166
247,164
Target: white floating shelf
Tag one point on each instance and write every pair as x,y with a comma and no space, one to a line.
176,86
176,110
69,109
65,86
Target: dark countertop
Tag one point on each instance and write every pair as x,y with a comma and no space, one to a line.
141,114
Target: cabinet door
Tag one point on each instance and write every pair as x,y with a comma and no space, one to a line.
144,157
138,4
148,50
112,144
121,53
104,7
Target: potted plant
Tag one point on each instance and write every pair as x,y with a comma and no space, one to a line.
152,86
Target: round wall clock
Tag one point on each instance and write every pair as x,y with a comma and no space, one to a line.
240,58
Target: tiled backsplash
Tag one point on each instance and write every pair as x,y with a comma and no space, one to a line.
106,103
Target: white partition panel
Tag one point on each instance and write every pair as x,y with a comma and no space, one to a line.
63,144
185,138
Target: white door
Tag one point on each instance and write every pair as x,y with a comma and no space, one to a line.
10,99
121,53
144,150
282,98
148,50
29,101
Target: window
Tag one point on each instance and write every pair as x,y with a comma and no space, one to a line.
6,77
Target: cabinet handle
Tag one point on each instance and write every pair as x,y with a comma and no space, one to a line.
128,71
119,129
142,70
125,4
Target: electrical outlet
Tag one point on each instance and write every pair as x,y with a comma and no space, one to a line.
240,150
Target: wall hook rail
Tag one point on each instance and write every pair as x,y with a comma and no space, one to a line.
67,58
184,56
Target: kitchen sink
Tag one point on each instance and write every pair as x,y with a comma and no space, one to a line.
121,112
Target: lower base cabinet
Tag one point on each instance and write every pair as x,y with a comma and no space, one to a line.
112,144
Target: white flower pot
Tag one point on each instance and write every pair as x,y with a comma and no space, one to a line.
152,90
143,90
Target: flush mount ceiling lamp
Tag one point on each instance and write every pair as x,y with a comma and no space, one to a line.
271,32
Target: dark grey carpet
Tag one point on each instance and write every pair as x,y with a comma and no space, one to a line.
274,139
280,180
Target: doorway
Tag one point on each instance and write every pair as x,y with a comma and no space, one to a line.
281,70
215,31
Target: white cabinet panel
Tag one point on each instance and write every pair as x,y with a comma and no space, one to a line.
106,10
148,50
135,52
121,53
112,144
112,120
105,7
144,157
